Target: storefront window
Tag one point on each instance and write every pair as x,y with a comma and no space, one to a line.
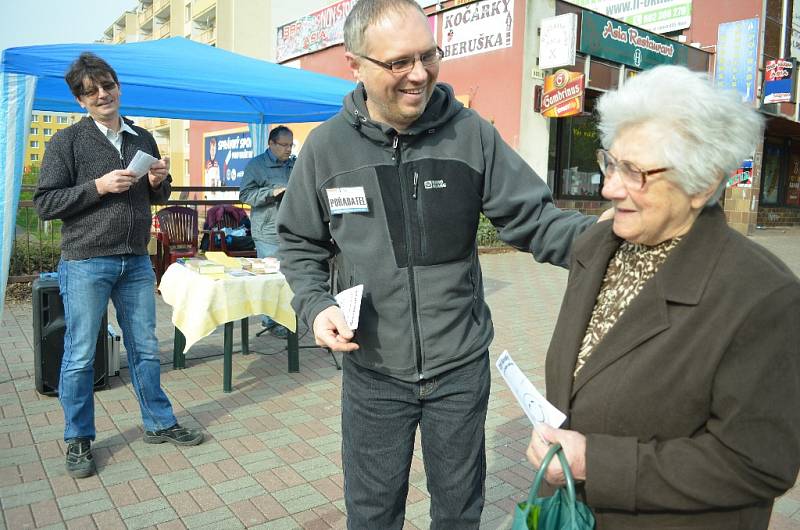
770,173
792,196
576,161
603,76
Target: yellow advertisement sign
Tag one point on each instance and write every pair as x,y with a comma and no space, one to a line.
563,94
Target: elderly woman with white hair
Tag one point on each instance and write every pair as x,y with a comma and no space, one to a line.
675,355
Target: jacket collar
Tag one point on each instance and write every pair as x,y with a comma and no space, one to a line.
681,279
124,127
440,109
274,161
88,126
685,274
687,270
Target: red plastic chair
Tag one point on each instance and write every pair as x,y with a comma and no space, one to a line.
178,237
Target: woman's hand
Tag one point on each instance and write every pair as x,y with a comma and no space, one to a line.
574,445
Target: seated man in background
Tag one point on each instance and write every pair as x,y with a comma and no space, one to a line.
264,181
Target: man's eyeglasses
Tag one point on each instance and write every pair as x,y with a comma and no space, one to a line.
107,86
285,146
632,176
406,64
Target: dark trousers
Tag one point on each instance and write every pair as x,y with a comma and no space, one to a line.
380,416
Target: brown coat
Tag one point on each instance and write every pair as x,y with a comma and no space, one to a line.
691,403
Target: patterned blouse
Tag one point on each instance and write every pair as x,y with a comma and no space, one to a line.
628,271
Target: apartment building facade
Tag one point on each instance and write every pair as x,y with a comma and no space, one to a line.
43,126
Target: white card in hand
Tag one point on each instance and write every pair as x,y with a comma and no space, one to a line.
141,163
538,409
350,302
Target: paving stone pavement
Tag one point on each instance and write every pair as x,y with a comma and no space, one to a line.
271,458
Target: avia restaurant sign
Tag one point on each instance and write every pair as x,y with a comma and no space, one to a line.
563,94
613,40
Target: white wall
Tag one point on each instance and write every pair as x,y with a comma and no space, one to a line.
534,129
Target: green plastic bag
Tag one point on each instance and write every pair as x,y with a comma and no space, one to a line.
562,511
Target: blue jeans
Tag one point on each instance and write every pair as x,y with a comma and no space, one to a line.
266,250
86,287
380,416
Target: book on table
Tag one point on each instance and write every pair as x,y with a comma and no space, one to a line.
203,266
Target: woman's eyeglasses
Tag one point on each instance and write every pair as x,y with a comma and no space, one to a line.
632,176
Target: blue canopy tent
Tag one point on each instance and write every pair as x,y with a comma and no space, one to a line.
170,78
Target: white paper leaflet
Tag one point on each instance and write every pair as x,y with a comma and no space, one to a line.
350,302
537,408
141,163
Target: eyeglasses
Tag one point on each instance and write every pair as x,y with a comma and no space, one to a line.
107,86
285,146
406,64
631,175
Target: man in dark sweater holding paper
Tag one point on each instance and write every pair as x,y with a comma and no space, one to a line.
105,209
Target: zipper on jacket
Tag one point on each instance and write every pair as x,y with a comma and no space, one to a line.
423,249
409,257
130,201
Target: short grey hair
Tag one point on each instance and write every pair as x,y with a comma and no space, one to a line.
708,132
368,12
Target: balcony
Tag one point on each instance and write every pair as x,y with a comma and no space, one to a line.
161,123
163,31
145,15
208,36
161,8
157,126
200,8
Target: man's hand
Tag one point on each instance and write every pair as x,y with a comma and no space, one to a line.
606,215
278,191
158,172
331,330
116,181
574,445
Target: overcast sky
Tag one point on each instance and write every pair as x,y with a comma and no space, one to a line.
29,22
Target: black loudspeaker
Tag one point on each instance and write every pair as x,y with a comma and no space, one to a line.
48,339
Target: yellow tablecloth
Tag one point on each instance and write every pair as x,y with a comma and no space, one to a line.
200,304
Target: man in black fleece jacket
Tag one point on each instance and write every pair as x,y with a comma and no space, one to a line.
391,189
106,218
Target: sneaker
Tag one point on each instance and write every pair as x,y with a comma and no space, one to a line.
80,463
175,435
279,332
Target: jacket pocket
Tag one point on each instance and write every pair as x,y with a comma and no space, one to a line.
344,274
